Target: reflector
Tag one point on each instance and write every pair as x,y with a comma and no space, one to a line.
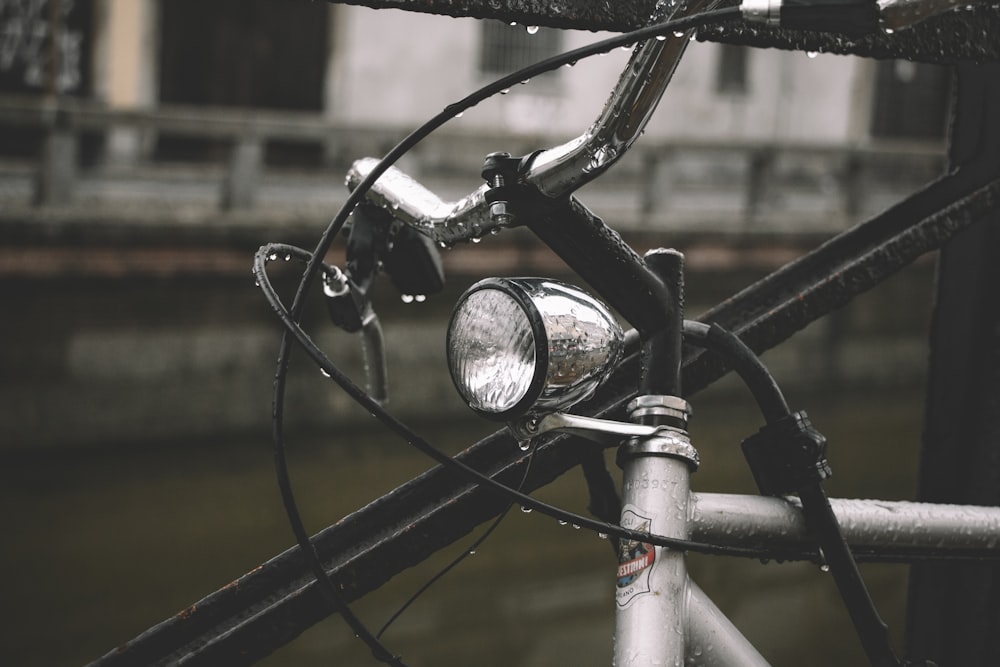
520,346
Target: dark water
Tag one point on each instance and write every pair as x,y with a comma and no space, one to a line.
101,544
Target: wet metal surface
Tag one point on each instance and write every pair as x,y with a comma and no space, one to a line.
900,526
963,35
953,609
966,34
581,14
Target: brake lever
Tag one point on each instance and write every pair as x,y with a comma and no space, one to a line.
351,310
376,243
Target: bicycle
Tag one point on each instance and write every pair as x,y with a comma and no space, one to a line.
647,292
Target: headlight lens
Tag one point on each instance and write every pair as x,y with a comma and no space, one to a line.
492,354
529,345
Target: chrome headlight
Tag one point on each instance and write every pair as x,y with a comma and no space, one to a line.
529,345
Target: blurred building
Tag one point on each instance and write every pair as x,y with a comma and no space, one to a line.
150,148
391,68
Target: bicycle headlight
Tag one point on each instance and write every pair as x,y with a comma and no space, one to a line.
529,345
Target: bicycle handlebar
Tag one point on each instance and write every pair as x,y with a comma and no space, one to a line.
556,172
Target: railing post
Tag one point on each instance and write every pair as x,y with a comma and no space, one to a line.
657,164
851,185
758,171
56,177
243,178
954,609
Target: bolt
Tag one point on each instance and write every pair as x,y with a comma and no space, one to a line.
499,213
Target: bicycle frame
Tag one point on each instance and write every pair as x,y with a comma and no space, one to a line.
673,622
661,616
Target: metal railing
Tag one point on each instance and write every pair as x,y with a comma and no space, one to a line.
663,184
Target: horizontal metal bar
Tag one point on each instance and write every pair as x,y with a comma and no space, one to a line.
618,16
967,35
920,530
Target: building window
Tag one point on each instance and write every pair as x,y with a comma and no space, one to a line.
242,53
27,49
731,74
32,64
507,48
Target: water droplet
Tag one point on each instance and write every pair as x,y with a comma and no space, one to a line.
273,256
811,54
524,445
513,23
505,91
678,33
459,114
824,568
420,298
603,536
661,38
526,510
563,523
406,298
324,372
889,31
532,29
576,527
526,82
692,37
472,552
477,239
571,63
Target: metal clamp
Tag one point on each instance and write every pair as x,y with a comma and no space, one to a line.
674,408
667,441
